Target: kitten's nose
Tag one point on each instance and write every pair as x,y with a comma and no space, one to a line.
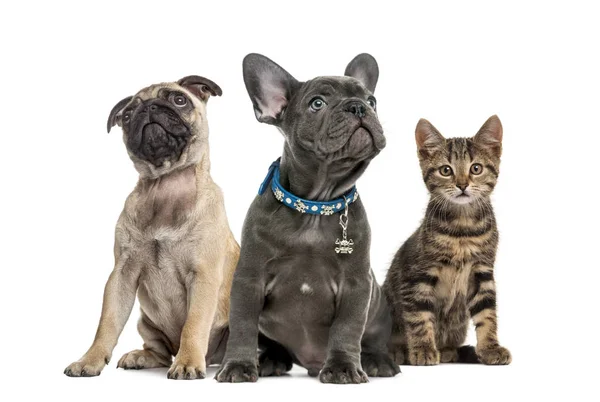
357,108
462,187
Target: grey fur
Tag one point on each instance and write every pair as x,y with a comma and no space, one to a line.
293,297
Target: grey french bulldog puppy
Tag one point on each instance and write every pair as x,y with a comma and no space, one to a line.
293,297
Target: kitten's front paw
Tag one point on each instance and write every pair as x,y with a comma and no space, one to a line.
342,372
496,355
237,372
424,355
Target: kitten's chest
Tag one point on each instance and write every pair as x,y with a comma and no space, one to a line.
453,284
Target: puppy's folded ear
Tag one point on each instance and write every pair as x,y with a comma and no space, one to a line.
365,69
270,87
429,139
202,87
114,117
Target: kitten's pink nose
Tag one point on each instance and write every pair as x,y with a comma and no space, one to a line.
462,187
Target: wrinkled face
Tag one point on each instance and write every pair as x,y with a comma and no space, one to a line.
335,118
159,123
164,125
460,170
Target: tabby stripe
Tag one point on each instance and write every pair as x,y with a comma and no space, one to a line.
419,305
464,233
423,278
488,302
428,174
492,169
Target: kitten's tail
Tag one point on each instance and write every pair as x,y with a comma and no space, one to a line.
467,354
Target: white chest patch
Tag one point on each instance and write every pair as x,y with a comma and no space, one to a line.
306,289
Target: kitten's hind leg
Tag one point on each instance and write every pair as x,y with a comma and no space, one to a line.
274,359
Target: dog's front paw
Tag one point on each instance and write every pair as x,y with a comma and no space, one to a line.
424,355
342,372
87,367
187,368
496,355
378,365
231,371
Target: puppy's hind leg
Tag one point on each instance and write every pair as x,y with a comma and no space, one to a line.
274,359
156,351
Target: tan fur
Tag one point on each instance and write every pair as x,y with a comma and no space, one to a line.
173,246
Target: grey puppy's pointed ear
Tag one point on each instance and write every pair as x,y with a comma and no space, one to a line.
114,117
202,87
490,135
270,87
428,138
365,69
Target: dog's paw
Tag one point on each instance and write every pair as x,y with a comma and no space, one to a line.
186,368
231,371
425,355
378,365
342,372
86,367
496,355
140,359
273,365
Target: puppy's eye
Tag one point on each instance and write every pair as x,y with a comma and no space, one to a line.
445,170
179,100
126,116
373,103
476,168
317,104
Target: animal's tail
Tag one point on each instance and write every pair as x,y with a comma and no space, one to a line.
467,354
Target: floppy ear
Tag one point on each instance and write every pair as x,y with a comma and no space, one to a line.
428,138
270,87
364,68
202,87
490,135
115,114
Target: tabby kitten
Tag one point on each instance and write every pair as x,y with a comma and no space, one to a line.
444,273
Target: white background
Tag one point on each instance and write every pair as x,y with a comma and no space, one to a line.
64,180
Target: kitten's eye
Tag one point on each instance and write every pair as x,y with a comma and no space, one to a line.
179,100
476,168
317,104
126,116
373,103
445,170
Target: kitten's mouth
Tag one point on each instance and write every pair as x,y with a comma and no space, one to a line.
463,198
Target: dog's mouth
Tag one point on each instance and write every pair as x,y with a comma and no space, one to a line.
157,144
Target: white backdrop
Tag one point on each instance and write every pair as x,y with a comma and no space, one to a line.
64,180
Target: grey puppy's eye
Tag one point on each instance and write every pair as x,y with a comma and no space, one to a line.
179,100
317,104
373,103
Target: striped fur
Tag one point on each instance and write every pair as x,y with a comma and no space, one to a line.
444,273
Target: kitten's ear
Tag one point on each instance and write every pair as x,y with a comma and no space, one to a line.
270,87
490,135
364,68
428,138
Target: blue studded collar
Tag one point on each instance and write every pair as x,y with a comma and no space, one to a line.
300,204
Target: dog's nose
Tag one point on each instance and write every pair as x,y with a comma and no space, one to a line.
462,187
356,108
151,108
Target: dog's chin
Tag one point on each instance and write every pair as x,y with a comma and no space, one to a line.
158,147
361,145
